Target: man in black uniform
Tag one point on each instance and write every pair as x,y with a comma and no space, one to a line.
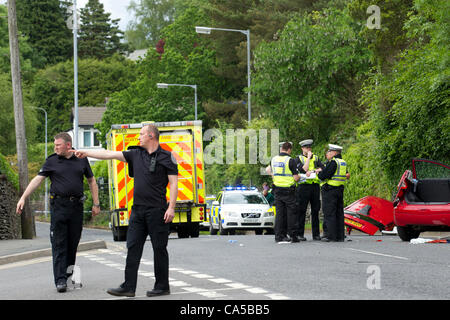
152,168
308,190
284,173
66,173
334,176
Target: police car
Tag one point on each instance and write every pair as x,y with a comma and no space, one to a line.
240,208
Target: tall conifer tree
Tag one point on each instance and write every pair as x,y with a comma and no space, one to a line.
100,36
43,22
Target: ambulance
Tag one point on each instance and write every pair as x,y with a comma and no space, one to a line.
184,140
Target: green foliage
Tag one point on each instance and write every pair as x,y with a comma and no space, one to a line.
309,79
410,108
100,170
387,42
150,18
99,36
43,23
97,79
367,176
7,127
5,169
186,60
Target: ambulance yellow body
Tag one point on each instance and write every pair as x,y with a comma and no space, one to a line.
184,140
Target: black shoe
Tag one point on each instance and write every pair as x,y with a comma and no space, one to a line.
282,239
317,238
120,292
295,239
301,238
158,292
61,287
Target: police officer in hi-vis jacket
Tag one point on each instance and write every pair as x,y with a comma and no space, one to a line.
308,190
334,176
285,175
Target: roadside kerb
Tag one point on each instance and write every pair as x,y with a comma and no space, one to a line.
83,246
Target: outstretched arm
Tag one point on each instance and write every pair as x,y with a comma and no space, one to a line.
101,154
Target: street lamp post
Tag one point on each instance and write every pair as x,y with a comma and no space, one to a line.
207,30
46,182
166,85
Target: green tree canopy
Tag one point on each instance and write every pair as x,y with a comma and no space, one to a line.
186,60
150,18
97,80
99,36
43,23
308,80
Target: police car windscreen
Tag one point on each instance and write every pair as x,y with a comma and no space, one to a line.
241,198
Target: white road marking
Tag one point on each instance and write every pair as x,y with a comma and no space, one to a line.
379,254
237,285
202,276
277,296
256,290
220,280
188,288
212,294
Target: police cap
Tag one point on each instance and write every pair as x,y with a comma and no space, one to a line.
334,147
306,143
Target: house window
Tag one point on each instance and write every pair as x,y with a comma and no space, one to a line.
87,138
96,142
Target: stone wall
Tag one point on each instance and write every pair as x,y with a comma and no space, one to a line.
10,227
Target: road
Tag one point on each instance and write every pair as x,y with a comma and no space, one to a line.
250,267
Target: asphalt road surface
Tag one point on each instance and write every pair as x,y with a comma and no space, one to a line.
249,267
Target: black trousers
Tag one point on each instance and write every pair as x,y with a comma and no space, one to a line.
146,221
333,211
66,225
308,193
286,221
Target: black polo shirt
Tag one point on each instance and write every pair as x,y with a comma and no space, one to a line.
66,175
150,187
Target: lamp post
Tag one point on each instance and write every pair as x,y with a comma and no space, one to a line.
207,30
166,85
72,23
46,182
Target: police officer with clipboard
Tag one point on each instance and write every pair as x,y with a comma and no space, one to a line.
285,175
308,190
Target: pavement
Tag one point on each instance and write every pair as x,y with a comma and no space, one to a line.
24,249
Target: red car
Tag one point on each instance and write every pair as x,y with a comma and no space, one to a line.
422,202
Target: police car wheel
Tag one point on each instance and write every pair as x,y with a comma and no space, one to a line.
212,231
223,232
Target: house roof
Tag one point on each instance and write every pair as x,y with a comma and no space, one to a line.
89,115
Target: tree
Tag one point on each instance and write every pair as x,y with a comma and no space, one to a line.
99,36
410,109
150,18
53,87
43,23
308,80
186,59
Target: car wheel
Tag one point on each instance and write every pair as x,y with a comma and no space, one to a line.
212,231
407,233
222,231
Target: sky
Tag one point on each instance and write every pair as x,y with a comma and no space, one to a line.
117,8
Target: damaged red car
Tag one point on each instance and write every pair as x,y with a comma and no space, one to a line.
422,202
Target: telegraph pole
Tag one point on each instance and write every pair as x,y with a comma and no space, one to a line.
28,227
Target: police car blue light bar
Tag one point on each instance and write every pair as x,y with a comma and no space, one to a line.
238,188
